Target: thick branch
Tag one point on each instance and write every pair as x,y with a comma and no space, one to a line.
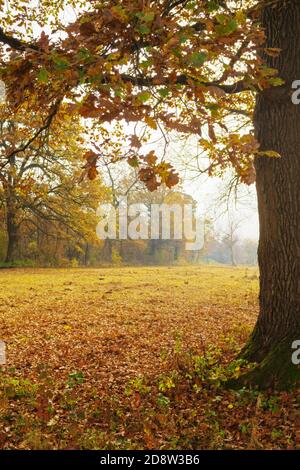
237,87
15,43
38,132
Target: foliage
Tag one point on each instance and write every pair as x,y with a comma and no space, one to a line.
133,358
42,201
185,66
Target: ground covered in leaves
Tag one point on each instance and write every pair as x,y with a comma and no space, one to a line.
133,358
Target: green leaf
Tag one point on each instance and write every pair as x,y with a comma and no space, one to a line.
133,161
227,25
144,96
146,63
84,54
118,92
43,76
143,29
182,39
191,5
164,92
146,16
276,81
197,59
221,18
120,12
213,5
61,63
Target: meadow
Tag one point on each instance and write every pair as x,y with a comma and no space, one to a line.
134,358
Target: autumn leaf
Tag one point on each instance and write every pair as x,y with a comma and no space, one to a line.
151,158
92,173
268,153
151,122
135,141
87,28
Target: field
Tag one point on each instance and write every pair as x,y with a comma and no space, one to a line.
133,358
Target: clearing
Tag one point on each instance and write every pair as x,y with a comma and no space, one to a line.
132,358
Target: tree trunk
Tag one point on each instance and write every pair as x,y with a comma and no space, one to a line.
277,125
12,233
87,254
233,263
153,248
107,250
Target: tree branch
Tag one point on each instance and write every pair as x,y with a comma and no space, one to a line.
236,87
15,43
38,132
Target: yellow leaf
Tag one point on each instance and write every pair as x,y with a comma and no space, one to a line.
269,153
151,123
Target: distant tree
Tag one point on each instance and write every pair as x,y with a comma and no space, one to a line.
40,185
246,252
231,238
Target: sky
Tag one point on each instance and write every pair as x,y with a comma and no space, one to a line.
207,191
212,193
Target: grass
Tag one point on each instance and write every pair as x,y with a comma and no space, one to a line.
132,358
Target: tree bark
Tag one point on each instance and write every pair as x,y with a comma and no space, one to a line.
277,125
87,254
107,250
12,232
233,263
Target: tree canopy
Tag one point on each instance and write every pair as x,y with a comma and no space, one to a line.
170,65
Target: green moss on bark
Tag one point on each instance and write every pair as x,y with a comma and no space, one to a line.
275,371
